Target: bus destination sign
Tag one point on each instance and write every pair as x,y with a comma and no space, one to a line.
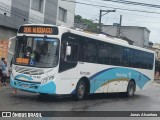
38,30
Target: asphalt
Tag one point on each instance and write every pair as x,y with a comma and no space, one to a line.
147,100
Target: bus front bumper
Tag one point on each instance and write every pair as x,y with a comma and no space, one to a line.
49,87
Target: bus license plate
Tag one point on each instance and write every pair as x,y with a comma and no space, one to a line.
25,86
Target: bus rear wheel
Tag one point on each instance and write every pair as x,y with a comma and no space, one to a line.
80,90
130,89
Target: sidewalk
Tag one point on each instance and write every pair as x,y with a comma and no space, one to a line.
157,80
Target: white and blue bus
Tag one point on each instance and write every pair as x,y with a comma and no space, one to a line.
57,60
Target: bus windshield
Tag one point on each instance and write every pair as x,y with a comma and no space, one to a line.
36,52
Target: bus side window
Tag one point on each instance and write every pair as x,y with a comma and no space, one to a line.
90,52
104,53
73,57
68,61
116,57
126,54
63,51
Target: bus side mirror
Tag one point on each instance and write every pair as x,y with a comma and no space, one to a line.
68,50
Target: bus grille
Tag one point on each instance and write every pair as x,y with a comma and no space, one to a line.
30,71
26,84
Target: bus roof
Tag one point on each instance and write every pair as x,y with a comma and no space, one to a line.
112,40
38,25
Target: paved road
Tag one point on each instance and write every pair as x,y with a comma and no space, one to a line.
148,100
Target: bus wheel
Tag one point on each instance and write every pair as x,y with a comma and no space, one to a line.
131,89
80,90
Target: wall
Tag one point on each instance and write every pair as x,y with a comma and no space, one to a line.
139,35
14,13
36,16
17,12
6,6
20,10
50,16
70,7
5,34
156,48
5,12
134,34
146,37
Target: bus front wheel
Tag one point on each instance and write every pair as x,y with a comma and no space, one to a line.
130,89
80,90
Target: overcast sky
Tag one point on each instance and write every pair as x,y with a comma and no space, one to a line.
130,18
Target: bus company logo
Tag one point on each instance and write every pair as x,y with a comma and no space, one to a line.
6,114
84,73
123,75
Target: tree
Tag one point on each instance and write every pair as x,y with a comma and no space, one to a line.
77,18
90,25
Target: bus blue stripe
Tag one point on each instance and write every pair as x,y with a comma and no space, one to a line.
98,79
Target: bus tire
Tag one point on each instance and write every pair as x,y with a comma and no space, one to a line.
130,89
80,90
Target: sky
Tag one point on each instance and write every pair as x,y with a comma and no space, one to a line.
129,18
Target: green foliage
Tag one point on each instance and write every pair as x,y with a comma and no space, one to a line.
91,26
77,18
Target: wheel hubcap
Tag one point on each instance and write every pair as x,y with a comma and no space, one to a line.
81,90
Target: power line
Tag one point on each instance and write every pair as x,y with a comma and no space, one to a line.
104,3
140,15
133,10
134,3
29,19
131,20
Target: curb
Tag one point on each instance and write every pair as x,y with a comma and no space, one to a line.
156,84
157,80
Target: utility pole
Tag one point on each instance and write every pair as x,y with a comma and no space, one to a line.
100,17
119,27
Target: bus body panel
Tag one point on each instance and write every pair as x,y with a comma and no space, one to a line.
116,79
103,81
106,79
102,78
33,81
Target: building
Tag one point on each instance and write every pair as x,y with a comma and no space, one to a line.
14,13
156,47
139,35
